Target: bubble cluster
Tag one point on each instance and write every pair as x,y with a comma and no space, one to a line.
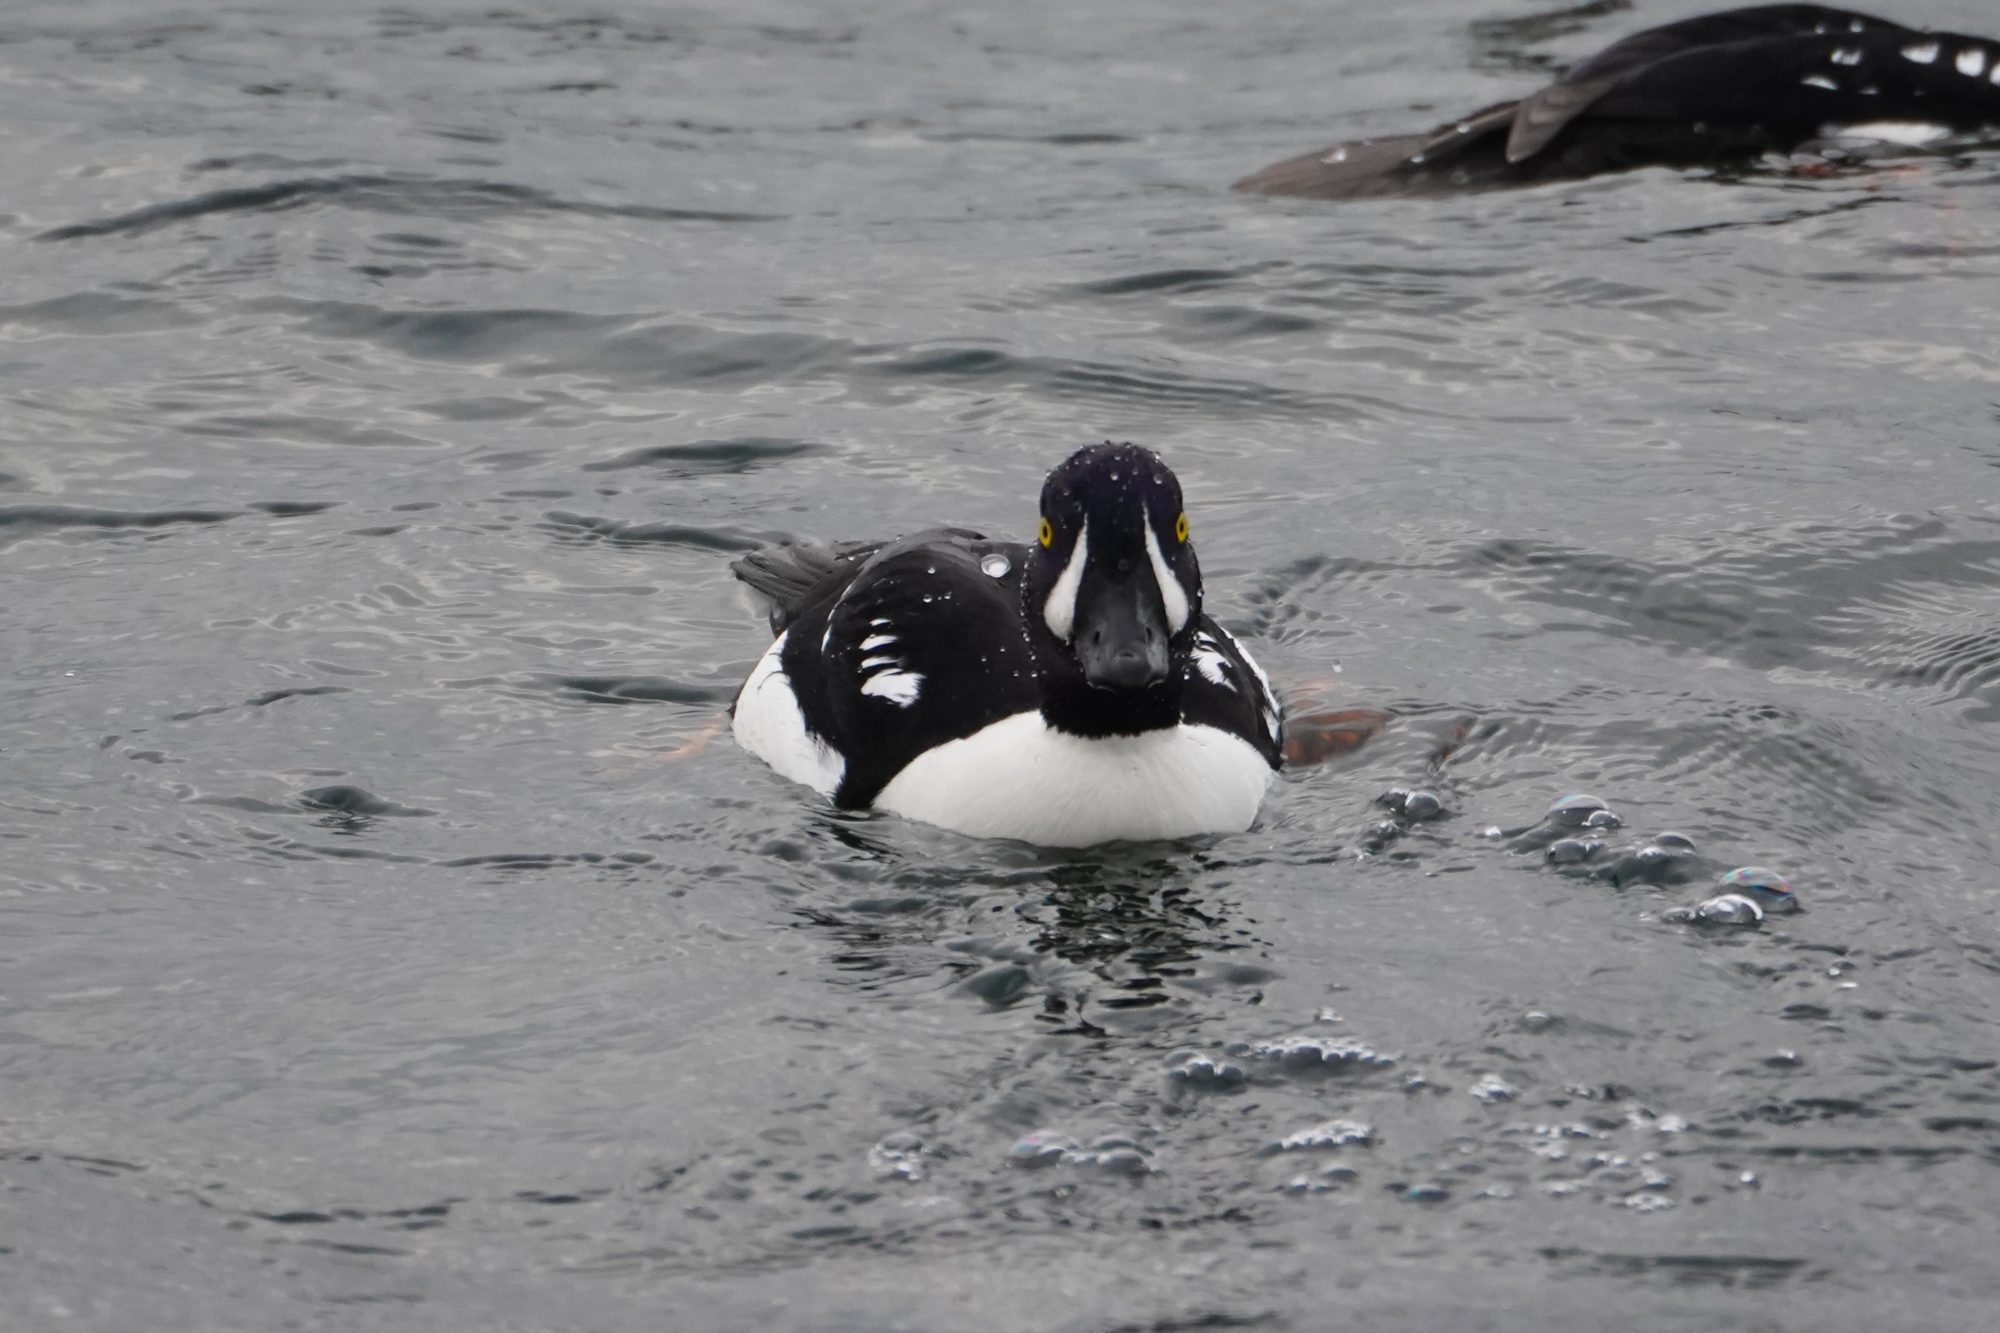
1574,817
1108,1154
1415,806
1749,894
1668,858
1406,808
1328,1135
1206,1074
1308,1054
1567,839
898,1156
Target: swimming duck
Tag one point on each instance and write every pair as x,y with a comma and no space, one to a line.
1718,90
1066,692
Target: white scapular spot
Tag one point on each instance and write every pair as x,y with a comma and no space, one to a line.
1846,55
898,687
874,641
1923,53
1209,659
1971,62
1820,81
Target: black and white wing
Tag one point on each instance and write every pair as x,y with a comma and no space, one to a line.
1226,689
921,644
1704,91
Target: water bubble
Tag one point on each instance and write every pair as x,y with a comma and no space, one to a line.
1678,841
995,565
1579,811
1573,851
898,1156
1728,909
1207,1074
1427,1192
1041,1148
1493,1088
1330,1054
1771,890
1113,1154
1380,834
1422,805
1415,806
1655,862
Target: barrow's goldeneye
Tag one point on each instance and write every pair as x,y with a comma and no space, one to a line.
1066,692
1718,90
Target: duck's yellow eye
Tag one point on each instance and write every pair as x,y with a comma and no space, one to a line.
1181,527
1047,535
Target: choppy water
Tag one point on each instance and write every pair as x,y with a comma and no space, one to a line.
386,391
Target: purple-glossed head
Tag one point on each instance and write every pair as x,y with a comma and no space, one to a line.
1112,576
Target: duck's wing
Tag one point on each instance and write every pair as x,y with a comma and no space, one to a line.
1439,161
1671,70
793,577
1226,689
920,643
1773,93
1708,90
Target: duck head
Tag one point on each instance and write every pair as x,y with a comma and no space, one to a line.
1112,591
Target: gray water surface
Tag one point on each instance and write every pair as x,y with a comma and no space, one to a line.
388,939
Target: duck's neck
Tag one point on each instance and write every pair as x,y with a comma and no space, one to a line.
1073,705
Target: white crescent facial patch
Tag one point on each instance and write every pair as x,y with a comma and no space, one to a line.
1059,610
1173,597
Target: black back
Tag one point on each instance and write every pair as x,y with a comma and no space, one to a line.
1709,91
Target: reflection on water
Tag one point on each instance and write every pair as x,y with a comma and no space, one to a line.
385,908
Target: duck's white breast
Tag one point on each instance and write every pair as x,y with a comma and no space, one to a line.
1020,779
